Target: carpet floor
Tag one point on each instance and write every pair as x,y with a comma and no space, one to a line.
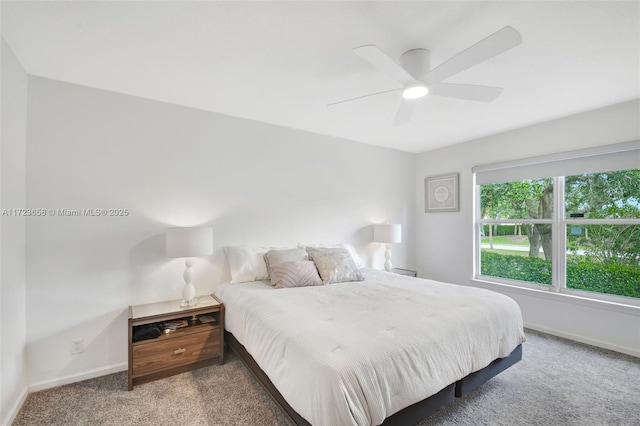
558,382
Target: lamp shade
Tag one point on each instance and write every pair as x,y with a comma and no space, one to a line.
387,233
189,242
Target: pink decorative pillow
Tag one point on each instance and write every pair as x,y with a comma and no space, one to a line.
301,273
273,257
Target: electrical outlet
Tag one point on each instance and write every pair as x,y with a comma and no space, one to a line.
77,346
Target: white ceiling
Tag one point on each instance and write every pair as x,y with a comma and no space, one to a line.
283,62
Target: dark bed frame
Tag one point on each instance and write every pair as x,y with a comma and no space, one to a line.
410,415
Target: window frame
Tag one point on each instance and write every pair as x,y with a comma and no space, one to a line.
559,225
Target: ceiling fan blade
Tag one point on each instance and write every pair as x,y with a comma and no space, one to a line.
379,60
498,42
365,96
469,92
404,112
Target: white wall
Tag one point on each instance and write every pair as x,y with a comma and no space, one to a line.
13,370
445,240
254,183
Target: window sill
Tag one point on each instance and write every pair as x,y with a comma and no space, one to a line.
558,297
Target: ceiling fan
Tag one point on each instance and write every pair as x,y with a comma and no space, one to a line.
417,78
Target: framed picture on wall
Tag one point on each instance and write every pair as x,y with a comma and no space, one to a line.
441,193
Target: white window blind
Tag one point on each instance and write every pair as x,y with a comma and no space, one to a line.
621,156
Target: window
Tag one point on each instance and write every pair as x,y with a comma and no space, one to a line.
567,223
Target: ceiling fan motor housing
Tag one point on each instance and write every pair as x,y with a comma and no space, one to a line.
416,62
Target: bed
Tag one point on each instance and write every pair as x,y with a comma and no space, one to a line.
390,349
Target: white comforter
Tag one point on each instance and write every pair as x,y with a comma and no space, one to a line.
355,353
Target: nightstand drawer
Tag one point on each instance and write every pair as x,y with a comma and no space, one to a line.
174,351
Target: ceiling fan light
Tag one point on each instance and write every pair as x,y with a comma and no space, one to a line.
415,91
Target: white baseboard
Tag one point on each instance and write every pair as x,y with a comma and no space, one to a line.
65,380
11,416
582,339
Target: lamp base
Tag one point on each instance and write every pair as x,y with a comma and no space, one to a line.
387,255
189,299
189,303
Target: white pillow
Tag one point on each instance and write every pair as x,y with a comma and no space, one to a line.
349,247
246,263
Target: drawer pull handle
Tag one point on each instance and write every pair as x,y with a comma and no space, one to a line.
179,351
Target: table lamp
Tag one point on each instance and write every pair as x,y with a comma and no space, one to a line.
388,234
187,243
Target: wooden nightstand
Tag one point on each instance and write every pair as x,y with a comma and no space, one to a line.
407,272
199,343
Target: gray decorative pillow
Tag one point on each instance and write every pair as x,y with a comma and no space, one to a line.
273,257
354,254
295,274
335,265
